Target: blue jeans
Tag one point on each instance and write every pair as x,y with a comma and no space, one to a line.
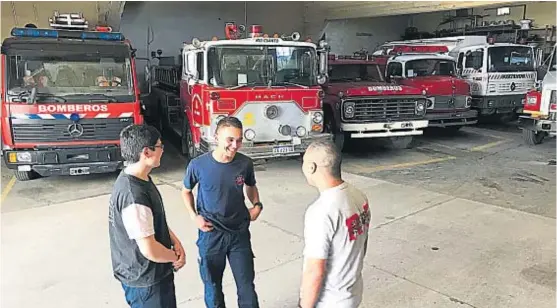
214,247
160,295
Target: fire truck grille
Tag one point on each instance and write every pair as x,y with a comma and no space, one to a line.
30,131
449,102
380,109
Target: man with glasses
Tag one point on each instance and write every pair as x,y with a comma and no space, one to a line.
221,214
144,250
335,233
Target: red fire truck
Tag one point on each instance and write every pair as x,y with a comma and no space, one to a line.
431,69
67,92
270,83
539,119
359,103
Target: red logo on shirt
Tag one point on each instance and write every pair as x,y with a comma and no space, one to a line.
358,224
240,180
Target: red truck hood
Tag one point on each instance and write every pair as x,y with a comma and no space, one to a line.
372,89
438,85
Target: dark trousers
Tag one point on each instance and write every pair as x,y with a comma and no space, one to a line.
160,295
214,247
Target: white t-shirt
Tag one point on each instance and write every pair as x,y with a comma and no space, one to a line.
336,229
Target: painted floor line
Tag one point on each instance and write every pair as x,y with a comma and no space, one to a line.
362,168
7,189
489,145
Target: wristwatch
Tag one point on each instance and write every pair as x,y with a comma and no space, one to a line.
258,204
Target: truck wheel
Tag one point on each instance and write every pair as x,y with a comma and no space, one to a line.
532,137
401,142
25,175
188,147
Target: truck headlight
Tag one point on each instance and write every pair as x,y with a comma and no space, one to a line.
301,131
349,108
19,157
468,101
317,117
531,100
420,107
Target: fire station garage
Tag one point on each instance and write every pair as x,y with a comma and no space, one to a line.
444,114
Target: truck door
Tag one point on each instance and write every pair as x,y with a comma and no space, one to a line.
192,96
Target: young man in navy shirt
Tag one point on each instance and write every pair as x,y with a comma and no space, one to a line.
221,214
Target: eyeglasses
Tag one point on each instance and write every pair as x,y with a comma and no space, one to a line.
157,146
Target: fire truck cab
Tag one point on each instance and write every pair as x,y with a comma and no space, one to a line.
359,103
271,84
432,70
499,74
67,92
540,110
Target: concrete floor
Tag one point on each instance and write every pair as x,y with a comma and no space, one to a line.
459,221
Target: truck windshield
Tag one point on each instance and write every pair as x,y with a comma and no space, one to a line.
430,67
354,72
231,66
510,59
75,77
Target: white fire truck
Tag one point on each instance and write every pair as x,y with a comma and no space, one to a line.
272,84
499,74
540,110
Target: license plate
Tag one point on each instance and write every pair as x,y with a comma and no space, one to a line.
406,125
79,171
283,149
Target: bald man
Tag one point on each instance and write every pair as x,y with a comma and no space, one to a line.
335,233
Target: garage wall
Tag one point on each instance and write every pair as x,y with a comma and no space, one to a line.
542,12
20,13
176,22
345,36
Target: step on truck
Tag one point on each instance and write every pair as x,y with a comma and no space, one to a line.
499,74
431,69
271,84
67,92
540,110
359,103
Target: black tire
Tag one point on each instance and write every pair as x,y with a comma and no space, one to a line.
25,175
188,147
401,142
532,137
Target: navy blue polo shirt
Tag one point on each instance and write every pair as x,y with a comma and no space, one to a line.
220,195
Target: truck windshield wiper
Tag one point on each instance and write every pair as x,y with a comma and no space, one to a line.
93,97
249,84
282,83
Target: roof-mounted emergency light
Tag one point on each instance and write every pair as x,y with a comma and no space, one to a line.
255,31
83,35
232,31
68,21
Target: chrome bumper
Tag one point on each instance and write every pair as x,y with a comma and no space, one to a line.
296,147
538,125
389,129
452,118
